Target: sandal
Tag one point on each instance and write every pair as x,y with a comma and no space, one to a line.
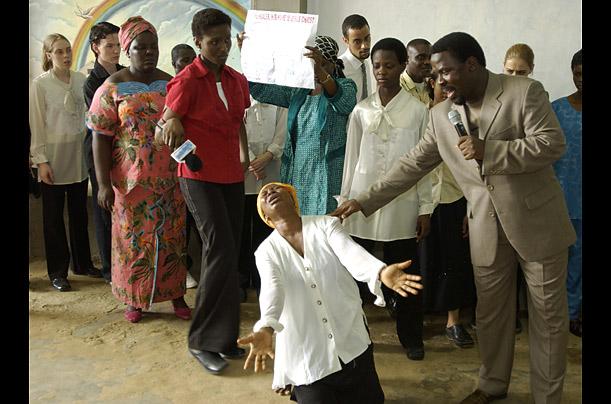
133,315
183,313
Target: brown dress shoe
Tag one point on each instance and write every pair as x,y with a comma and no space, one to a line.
480,397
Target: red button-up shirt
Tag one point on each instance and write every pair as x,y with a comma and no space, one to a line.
213,128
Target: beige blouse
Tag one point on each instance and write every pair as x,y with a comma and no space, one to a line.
57,123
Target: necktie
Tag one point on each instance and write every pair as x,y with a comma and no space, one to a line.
364,73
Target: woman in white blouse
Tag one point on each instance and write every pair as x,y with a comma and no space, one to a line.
382,128
266,130
310,300
57,121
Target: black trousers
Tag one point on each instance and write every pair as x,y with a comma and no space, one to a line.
356,383
217,210
59,256
254,231
409,309
103,225
191,225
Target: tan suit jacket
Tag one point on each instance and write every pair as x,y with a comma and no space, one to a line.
515,184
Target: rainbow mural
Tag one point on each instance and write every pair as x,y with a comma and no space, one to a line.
104,11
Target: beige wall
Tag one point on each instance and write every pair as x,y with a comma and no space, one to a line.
552,28
289,6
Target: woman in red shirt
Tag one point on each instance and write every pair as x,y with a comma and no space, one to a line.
205,104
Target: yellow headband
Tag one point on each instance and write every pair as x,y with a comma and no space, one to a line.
291,190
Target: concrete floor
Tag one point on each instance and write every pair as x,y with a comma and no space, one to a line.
83,351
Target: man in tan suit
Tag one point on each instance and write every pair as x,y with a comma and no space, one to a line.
516,209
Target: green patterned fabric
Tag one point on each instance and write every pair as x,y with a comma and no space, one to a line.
313,156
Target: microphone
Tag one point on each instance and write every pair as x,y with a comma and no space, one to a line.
185,153
193,162
456,120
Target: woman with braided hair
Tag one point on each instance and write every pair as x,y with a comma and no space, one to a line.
313,156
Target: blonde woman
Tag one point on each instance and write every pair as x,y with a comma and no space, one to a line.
57,121
519,60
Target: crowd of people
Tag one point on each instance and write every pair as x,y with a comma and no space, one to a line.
323,200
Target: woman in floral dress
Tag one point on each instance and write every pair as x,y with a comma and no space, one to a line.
137,179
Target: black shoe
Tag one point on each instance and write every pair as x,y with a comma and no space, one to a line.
575,327
211,361
518,326
107,278
61,284
459,336
233,353
415,353
91,272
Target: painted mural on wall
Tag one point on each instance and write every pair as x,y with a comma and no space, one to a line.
171,18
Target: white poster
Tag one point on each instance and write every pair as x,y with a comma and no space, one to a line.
273,48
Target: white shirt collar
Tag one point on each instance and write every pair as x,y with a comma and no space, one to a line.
351,61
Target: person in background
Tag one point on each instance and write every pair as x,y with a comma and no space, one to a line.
447,285
137,179
357,67
310,301
356,36
313,155
447,271
382,128
418,67
519,61
104,43
182,56
266,130
568,170
57,122
205,104
514,207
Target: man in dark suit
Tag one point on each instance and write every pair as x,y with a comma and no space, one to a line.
104,42
516,210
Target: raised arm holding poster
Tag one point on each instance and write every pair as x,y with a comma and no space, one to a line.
274,46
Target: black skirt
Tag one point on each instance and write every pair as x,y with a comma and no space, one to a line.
445,261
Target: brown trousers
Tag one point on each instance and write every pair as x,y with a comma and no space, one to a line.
547,324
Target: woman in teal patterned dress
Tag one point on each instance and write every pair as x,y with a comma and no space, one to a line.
313,156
